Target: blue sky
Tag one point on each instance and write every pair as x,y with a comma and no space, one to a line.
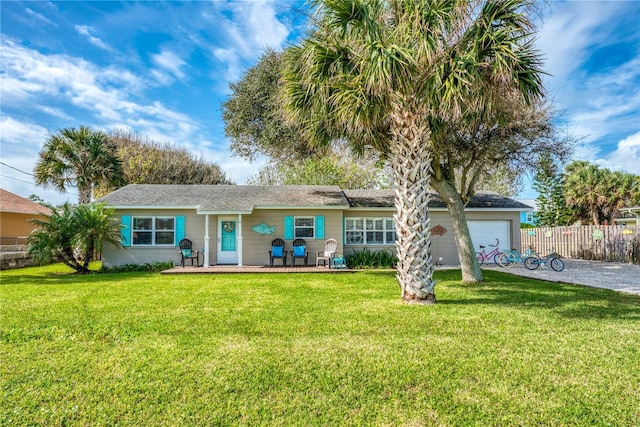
163,69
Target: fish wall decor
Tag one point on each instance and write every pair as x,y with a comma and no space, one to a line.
263,228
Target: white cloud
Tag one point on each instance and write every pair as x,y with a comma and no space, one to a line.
601,97
170,62
626,157
236,169
21,144
38,16
87,31
103,93
571,30
252,27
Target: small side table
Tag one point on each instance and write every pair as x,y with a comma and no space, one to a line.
339,262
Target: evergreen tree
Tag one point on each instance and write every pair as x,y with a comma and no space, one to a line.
551,205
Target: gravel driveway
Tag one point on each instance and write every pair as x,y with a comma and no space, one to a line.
609,275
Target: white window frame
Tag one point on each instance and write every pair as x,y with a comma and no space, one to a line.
364,226
297,227
529,217
154,230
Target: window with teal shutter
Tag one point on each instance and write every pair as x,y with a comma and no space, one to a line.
320,227
288,227
125,232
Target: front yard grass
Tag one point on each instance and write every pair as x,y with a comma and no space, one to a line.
313,349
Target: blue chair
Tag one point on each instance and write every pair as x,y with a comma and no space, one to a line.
277,251
299,251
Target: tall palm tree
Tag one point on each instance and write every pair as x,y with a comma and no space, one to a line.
79,157
379,71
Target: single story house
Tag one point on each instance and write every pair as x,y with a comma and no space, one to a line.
235,224
16,214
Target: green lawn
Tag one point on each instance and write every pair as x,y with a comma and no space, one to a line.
313,349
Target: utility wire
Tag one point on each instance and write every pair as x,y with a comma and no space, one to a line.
14,168
17,179
31,182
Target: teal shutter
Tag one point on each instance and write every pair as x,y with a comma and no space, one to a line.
288,227
179,228
125,231
320,227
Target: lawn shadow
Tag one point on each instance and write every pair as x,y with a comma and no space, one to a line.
58,278
566,300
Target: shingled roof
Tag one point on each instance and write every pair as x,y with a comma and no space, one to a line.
384,199
13,203
226,198
245,198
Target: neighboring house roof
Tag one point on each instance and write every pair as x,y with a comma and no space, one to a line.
13,203
384,199
530,202
244,198
226,198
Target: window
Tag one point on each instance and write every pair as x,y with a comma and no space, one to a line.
304,226
370,231
153,231
529,217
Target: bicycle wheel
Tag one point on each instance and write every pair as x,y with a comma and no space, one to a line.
505,261
532,263
495,258
557,264
480,258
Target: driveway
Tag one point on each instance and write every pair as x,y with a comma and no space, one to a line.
608,275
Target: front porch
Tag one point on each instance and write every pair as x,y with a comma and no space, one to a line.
253,269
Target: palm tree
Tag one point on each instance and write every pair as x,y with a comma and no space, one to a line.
585,190
72,235
379,72
79,157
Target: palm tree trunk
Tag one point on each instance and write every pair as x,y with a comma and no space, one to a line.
471,272
411,164
84,194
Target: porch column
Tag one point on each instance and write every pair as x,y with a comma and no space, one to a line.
239,228
206,241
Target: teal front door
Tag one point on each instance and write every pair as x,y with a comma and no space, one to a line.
227,241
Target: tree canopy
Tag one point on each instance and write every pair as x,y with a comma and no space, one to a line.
82,158
253,115
255,123
595,194
148,162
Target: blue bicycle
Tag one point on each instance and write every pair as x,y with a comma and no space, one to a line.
553,259
510,257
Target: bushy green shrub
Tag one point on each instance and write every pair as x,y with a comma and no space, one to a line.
126,268
368,259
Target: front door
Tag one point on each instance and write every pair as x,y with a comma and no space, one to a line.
227,245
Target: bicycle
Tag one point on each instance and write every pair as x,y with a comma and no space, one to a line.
494,254
510,257
533,262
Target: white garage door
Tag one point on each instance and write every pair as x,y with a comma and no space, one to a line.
486,232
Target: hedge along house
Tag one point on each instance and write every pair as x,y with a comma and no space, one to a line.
235,224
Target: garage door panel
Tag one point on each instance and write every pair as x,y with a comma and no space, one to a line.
486,232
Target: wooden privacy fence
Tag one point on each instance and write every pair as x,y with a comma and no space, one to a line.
604,243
